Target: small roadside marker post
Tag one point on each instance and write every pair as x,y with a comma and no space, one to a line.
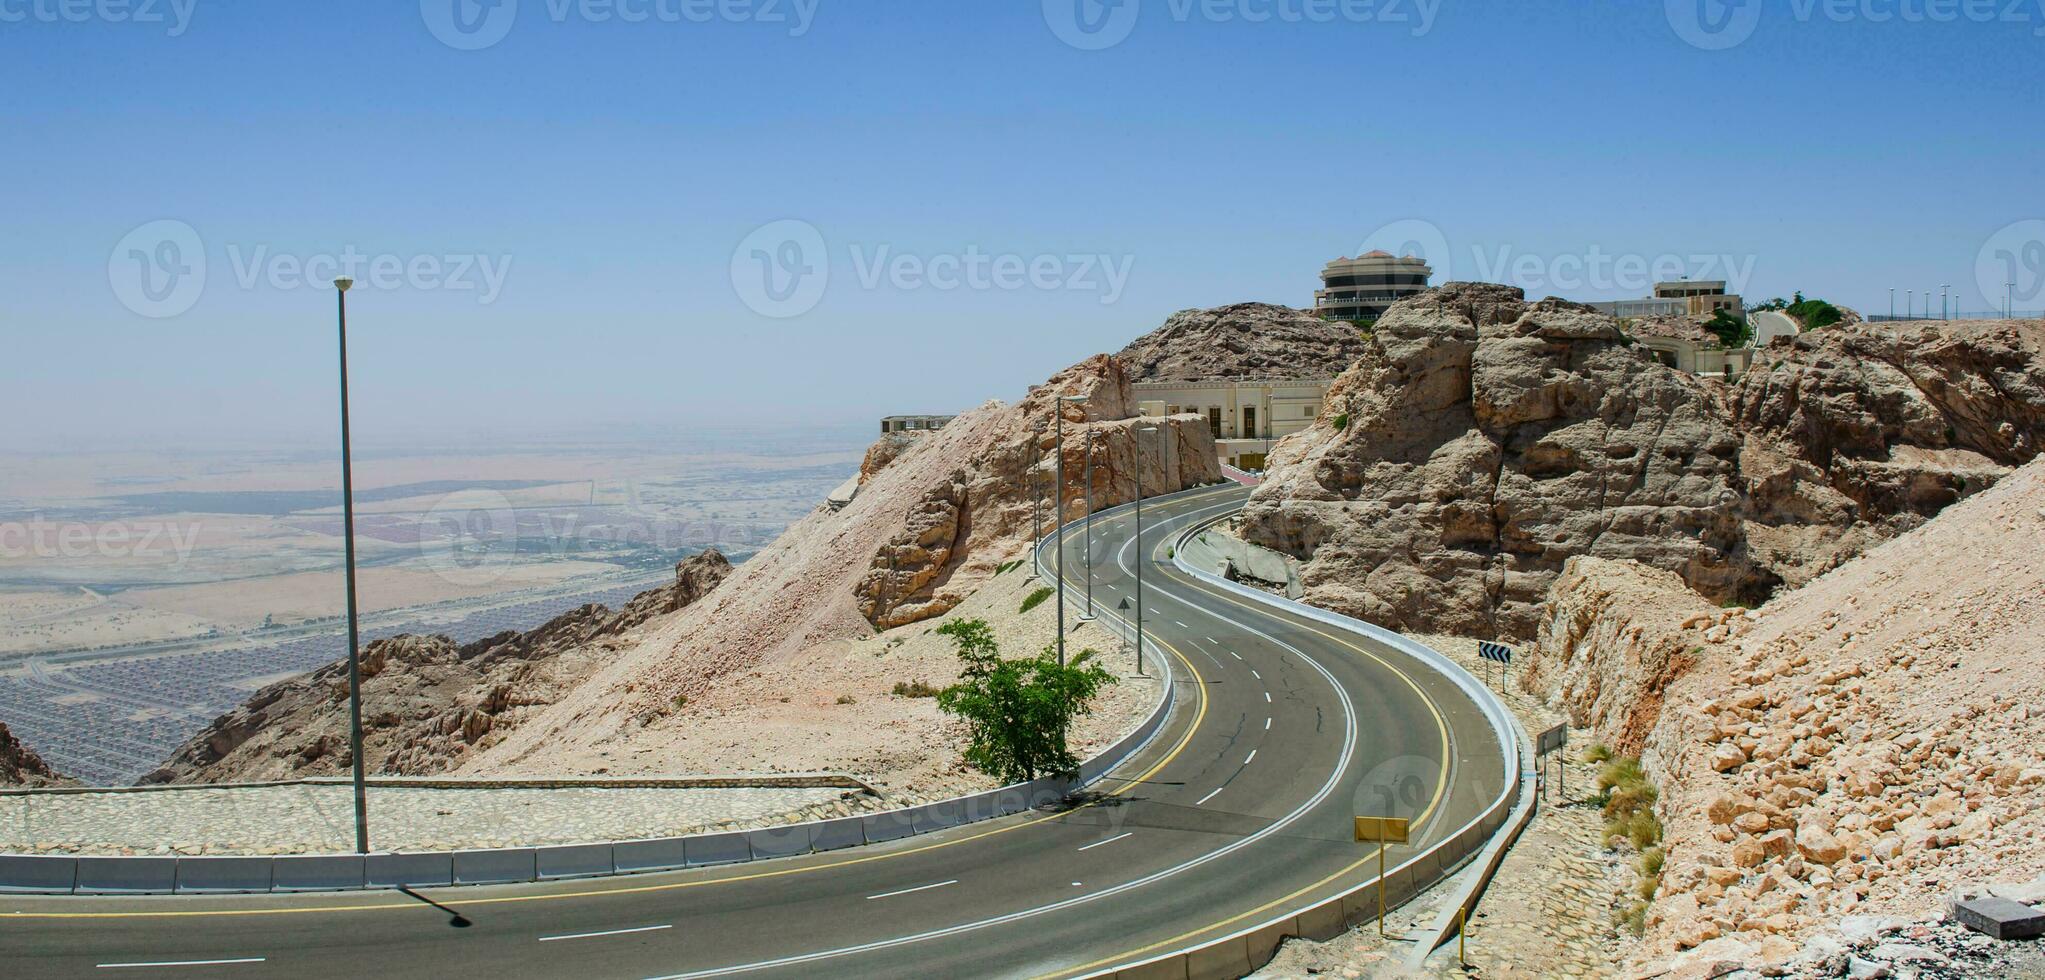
1554,740
1384,832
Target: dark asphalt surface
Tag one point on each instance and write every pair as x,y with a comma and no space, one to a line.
1241,809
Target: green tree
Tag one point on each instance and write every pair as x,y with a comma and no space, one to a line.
1733,331
1017,712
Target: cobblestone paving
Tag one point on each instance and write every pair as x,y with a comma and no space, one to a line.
316,819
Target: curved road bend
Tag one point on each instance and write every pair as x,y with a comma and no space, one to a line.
1239,810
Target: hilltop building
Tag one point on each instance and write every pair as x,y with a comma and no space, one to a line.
913,423
1363,287
1245,416
1682,297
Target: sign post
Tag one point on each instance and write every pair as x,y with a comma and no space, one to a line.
1499,654
1384,832
1555,740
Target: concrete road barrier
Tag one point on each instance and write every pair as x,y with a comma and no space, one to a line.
317,872
891,825
709,849
38,873
574,861
224,874
833,835
663,854
408,870
496,866
127,875
774,842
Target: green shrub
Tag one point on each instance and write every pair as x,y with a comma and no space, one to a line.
1598,753
847,699
1037,598
681,701
917,689
1017,712
1342,421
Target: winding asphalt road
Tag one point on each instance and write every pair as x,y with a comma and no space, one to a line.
1240,809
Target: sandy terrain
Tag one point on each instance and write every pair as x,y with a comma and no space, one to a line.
904,746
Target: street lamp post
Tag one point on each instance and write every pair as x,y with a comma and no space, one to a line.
1141,555
1892,302
348,549
1089,559
1910,304
1058,515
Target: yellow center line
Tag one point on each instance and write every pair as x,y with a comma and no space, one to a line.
1440,790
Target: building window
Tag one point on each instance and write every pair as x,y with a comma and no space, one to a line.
1249,422
1214,420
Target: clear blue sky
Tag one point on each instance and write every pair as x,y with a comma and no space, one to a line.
621,165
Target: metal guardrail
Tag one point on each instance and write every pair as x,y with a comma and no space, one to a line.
111,875
1246,950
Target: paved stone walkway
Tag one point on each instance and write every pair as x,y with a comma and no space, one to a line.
320,819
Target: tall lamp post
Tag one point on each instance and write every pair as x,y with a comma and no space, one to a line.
1141,555
1089,559
1892,302
2008,289
348,549
1058,515
1910,304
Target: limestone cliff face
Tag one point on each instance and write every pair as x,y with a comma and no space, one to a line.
427,702
1860,746
1243,342
1481,441
21,766
973,517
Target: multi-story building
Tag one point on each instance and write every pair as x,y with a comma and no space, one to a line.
1245,416
1361,288
1683,297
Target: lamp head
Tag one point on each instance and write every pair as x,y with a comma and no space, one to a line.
343,283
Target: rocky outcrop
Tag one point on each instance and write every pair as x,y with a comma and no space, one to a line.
1612,637
1242,342
1858,747
1482,440
427,703
21,766
970,519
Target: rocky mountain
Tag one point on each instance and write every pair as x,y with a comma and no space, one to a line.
21,766
1481,441
1863,746
935,517
1242,342
428,703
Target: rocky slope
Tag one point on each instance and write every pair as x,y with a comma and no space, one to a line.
1241,342
21,766
428,703
1859,747
1481,441
933,521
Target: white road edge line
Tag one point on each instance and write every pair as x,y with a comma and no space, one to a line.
918,888
1236,655
1209,796
164,963
1110,840
594,935
1252,758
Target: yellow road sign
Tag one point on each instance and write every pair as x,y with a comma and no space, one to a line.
1381,830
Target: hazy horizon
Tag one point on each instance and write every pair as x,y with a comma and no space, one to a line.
565,220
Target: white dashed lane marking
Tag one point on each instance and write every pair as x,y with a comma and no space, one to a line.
918,888
599,935
1209,796
1110,840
